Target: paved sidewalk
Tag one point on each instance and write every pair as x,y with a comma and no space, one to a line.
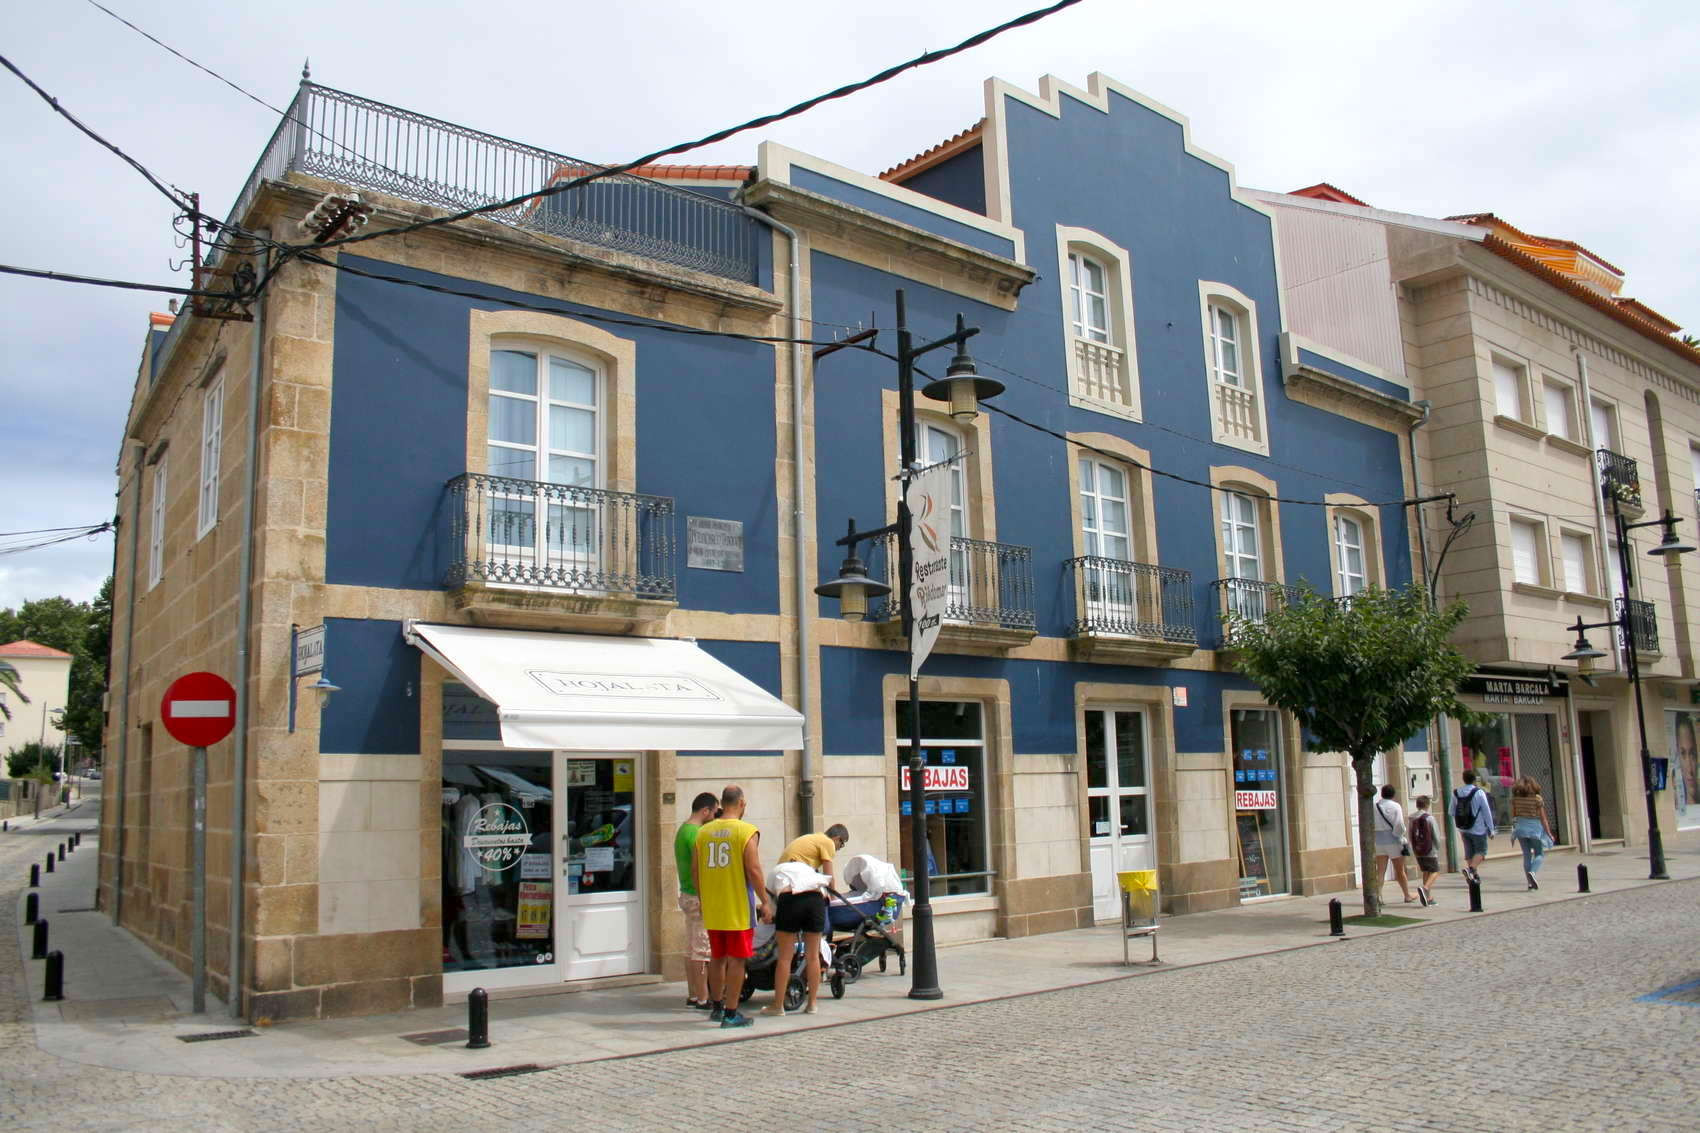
128,1010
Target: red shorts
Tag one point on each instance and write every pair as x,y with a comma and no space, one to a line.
735,943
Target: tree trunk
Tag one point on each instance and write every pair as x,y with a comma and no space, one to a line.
1364,766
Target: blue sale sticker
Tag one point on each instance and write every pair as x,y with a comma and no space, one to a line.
947,756
905,809
932,806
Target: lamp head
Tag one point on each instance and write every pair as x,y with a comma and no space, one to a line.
323,686
1672,543
962,386
852,588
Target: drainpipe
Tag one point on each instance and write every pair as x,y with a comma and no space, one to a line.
1442,753
244,618
1603,563
135,526
799,514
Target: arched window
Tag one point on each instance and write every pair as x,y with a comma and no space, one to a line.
1351,569
1097,301
1233,367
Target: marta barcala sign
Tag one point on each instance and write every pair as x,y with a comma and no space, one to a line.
928,494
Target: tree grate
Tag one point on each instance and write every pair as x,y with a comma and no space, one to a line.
503,1072
214,1036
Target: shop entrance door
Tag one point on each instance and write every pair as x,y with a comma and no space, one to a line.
601,929
1118,804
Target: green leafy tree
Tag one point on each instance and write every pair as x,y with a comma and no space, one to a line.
9,683
1361,677
85,716
27,760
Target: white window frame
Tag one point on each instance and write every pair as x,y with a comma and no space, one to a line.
1537,552
1584,562
1242,399
1103,375
1343,576
1599,409
961,507
212,448
1511,374
156,526
1549,386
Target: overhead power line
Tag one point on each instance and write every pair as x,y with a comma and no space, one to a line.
175,196
72,534
886,75
128,285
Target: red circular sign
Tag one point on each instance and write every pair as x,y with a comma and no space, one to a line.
199,709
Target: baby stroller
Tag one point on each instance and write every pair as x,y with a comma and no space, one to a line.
760,969
865,930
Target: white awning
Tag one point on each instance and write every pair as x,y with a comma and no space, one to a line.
583,693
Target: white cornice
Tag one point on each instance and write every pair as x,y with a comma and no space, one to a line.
1471,232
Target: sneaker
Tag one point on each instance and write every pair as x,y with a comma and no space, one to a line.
809,1010
699,1004
774,1009
733,1019
717,1013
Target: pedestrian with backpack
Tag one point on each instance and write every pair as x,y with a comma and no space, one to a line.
1424,834
1390,843
1472,814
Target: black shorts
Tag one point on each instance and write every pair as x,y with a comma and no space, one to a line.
800,912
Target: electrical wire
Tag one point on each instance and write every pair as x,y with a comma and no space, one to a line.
175,196
129,285
886,75
88,532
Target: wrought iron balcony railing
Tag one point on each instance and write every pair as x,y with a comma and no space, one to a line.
1241,600
990,583
1643,624
1136,599
1620,477
524,533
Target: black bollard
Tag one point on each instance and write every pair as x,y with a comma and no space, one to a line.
1336,918
1475,895
38,949
6,825
478,1019
35,876
1582,879
71,845
49,863
32,909
77,838
55,977
61,851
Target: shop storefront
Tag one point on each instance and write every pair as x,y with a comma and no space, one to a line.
1520,739
1682,777
1261,821
549,792
953,744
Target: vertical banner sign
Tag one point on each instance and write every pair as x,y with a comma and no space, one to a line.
929,541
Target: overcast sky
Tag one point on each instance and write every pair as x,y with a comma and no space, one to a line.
1570,118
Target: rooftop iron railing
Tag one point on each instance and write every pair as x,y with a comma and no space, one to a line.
524,533
1242,600
1620,476
1112,596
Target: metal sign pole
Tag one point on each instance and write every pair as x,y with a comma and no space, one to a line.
198,931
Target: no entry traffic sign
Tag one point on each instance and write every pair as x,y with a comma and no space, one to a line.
199,709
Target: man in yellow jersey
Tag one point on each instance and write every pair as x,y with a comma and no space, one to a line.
804,914
727,865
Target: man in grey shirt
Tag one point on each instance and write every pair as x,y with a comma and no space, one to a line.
1472,802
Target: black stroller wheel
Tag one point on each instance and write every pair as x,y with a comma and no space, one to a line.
851,966
795,993
749,990
837,984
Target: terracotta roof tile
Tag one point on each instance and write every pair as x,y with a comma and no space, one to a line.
30,649
945,150
1323,191
159,319
695,172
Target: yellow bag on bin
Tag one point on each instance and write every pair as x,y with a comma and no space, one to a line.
1140,885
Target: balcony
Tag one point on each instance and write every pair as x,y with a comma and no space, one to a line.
1242,600
1643,625
530,554
1130,613
1620,478
1101,372
1236,414
991,604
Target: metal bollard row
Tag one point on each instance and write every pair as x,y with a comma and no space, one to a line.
54,978
38,945
32,909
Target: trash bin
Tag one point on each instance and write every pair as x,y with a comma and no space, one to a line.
1140,904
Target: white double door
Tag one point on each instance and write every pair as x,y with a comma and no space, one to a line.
1118,803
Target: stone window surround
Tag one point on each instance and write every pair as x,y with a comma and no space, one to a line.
212,452
1135,464
1251,360
159,489
1358,509
1231,478
1542,583
616,357
977,465
1156,702
1118,282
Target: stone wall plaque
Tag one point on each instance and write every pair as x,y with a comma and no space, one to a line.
714,544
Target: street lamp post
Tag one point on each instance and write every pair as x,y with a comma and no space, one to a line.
963,388
1585,654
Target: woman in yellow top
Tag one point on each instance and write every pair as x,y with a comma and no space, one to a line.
1529,826
726,868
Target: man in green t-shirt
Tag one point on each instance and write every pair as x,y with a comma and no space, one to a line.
696,936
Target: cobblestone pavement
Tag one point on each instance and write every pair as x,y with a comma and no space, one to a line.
1522,1020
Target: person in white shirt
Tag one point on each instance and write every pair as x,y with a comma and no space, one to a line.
1390,844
